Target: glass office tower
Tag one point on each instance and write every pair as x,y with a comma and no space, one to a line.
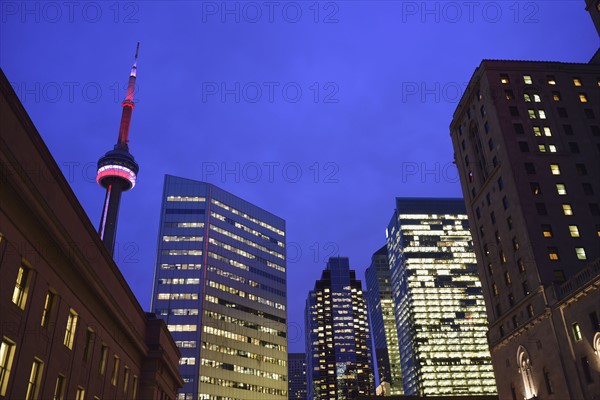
297,376
439,305
338,344
220,285
380,303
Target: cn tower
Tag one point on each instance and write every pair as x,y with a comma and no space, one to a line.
117,169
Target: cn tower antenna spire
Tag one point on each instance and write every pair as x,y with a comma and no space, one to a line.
117,169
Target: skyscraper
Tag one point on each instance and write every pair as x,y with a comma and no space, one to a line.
526,138
380,303
338,344
440,312
220,283
117,169
297,376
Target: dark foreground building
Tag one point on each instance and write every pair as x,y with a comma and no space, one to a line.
70,326
338,344
526,138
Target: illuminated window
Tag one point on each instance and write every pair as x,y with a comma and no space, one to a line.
125,379
71,328
555,169
547,131
507,278
504,79
542,114
542,148
531,113
574,231
7,352
80,393
556,96
537,131
19,296
134,389
583,98
524,363
552,148
580,251
561,189
527,98
551,80
115,371
59,388
103,359
47,309
521,265
553,253
567,209
577,82
537,98
509,95
515,243
527,79
576,332
35,380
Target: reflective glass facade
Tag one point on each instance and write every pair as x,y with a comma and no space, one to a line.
338,344
439,306
380,304
220,285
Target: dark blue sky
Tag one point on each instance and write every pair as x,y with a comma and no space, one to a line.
322,112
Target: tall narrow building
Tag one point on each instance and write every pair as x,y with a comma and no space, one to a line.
220,284
526,138
297,376
117,169
338,344
380,303
439,306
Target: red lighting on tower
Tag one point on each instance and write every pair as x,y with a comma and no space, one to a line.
117,169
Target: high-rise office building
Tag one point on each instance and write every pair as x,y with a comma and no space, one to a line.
297,376
380,304
70,326
440,312
526,138
220,284
338,344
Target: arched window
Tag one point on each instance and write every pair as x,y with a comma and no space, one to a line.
597,344
524,363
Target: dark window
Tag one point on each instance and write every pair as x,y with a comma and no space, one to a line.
574,147
585,365
519,129
594,209
524,147
500,183
499,312
562,112
469,113
541,209
594,321
514,111
505,202
525,288
486,126
460,130
495,161
587,189
487,199
509,95
535,188
482,111
530,168
568,129
511,300
493,217
595,130
549,387
481,232
515,243
491,144
467,160
497,236
559,276
509,223
514,321
472,192
521,265
462,144
589,113
581,169
478,212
